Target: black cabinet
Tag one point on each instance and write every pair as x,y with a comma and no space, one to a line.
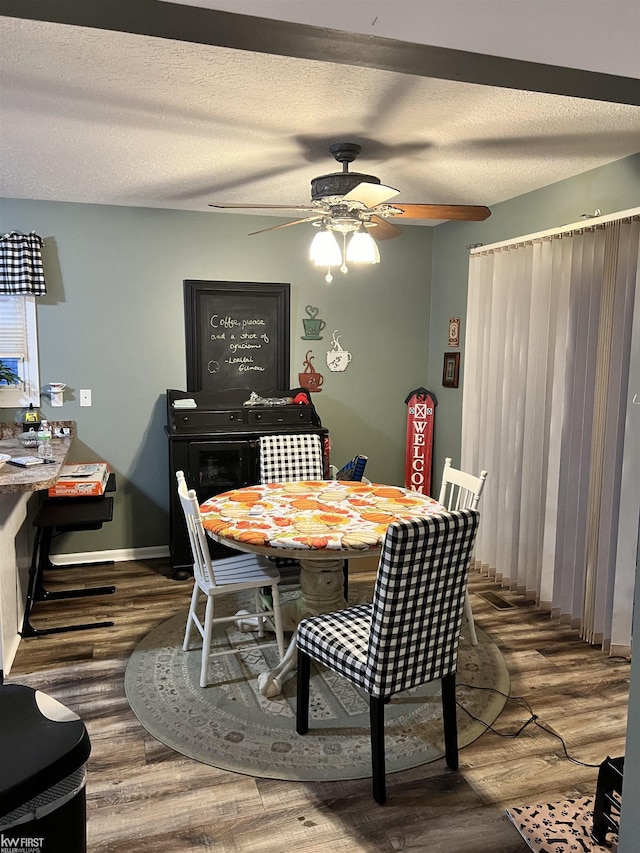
211,466
218,466
218,449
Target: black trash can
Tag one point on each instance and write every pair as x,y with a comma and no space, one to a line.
44,747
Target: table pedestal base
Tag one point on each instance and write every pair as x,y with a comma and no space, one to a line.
321,591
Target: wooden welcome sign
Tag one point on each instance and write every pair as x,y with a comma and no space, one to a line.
419,450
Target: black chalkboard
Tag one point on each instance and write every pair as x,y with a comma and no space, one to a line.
237,335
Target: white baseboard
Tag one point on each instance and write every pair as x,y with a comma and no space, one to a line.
118,556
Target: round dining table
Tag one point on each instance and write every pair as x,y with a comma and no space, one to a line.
320,523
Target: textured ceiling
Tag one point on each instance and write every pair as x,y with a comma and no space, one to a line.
117,118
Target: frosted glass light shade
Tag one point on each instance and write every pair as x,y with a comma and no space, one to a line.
324,250
362,249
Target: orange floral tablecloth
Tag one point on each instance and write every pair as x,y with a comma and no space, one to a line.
313,514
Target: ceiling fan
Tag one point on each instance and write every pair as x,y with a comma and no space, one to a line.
360,198
351,202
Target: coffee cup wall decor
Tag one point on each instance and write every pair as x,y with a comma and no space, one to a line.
310,378
337,358
312,325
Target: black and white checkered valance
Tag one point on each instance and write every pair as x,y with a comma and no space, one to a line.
21,264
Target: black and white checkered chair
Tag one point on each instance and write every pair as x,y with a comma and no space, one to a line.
407,636
286,458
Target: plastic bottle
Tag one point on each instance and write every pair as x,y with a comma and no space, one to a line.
45,450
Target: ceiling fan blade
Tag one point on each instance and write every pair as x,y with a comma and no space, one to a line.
287,224
381,229
467,212
261,206
370,194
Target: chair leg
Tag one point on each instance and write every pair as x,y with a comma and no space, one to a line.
448,687
469,617
45,564
189,626
376,718
258,606
277,620
345,582
37,592
302,699
206,641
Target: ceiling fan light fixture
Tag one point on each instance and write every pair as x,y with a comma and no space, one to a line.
362,248
325,250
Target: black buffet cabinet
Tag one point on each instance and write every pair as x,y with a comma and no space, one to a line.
214,439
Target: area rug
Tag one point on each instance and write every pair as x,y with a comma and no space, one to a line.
230,725
560,827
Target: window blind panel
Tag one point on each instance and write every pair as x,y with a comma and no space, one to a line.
620,267
13,341
554,515
627,550
547,375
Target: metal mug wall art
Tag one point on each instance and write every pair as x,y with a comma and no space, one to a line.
337,358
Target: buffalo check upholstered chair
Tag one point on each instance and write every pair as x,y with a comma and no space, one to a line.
223,577
460,490
407,636
287,458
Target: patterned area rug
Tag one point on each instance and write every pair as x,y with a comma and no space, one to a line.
560,827
230,725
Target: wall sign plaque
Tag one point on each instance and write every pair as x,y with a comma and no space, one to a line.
451,369
237,335
454,331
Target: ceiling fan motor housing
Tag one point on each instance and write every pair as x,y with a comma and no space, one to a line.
338,184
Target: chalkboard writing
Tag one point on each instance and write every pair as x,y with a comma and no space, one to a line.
237,335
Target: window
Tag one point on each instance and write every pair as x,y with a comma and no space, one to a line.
19,350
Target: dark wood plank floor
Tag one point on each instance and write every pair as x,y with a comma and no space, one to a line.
141,796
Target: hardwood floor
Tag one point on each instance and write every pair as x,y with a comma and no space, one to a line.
143,797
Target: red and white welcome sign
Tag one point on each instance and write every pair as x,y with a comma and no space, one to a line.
419,450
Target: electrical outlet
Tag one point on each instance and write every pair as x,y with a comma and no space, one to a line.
85,397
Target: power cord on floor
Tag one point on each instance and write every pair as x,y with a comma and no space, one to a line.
533,718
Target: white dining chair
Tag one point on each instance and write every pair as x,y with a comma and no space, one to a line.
223,577
460,490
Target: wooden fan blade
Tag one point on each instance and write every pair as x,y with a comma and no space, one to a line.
381,229
370,194
467,212
287,224
262,206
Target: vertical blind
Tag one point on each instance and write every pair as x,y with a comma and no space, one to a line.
549,325
13,341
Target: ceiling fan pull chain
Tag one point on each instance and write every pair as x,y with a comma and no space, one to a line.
344,268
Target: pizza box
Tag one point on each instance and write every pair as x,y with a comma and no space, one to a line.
81,480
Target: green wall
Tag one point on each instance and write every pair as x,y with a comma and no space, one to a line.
113,322
609,188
